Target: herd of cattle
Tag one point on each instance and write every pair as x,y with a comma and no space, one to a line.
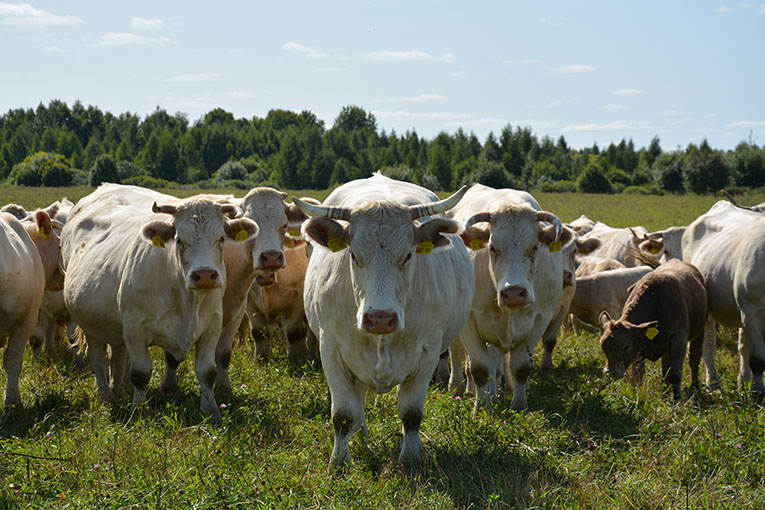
383,282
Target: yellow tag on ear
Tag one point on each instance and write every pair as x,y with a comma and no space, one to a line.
157,240
294,232
335,244
650,333
655,251
241,235
43,234
555,246
425,248
476,244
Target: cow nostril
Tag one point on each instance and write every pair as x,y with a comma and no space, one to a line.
195,277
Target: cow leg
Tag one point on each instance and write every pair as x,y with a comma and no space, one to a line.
13,359
695,353
411,405
223,355
754,351
204,367
672,363
118,365
312,343
442,370
744,370
456,378
482,365
140,367
169,384
521,363
99,363
709,354
261,335
296,342
550,336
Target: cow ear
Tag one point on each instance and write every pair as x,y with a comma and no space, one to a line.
52,209
159,232
589,245
328,233
295,215
547,235
241,229
475,237
44,227
427,236
652,246
604,319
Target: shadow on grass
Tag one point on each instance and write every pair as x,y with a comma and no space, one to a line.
29,421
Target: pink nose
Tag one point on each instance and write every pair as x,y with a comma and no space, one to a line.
514,296
568,278
380,322
205,278
271,260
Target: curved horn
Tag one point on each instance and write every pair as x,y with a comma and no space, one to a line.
167,209
421,210
551,218
478,218
636,236
323,211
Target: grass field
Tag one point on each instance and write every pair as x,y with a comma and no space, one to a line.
585,442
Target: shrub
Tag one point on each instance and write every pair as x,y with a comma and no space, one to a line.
104,170
147,181
557,187
593,180
127,169
231,170
56,172
31,170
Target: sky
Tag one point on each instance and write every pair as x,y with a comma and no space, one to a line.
592,71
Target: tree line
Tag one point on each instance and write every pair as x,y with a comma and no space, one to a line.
58,145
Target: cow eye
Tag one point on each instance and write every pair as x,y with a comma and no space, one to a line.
494,251
533,251
222,240
283,228
626,347
179,242
353,258
406,259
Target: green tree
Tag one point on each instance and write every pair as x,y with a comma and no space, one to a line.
593,178
352,118
704,169
104,170
668,172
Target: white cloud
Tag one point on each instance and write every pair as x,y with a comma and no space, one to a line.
54,49
485,121
383,114
406,56
203,102
628,92
573,69
762,9
746,124
553,104
724,9
617,125
193,78
674,113
25,14
613,107
422,98
459,73
242,94
308,51
146,24
126,38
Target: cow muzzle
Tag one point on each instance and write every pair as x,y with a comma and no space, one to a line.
266,279
380,322
205,279
615,373
272,260
568,278
515,296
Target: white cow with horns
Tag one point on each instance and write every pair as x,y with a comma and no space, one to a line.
386,290
518,267
143,274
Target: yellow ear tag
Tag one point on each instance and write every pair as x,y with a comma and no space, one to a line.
555,246
43,234
655,251
157,240
650,333
335,244
294,232
476,244
425,248
241,236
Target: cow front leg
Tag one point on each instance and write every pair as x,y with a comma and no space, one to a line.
521,364
118,364
754,352
95,351
709,353
204,367
13,359
169,385
672,364
482,365
140,369
695,353
223,355
456,359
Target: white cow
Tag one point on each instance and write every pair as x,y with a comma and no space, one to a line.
29,263
615,243
386,292
604,291
143,274
518,268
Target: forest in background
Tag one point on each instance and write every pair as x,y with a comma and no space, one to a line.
59,145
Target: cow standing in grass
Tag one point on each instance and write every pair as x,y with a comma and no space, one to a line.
144,274
663,318
386,291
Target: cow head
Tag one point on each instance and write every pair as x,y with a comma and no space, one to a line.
197,231
571,250
48,246
666,244
381,239
621,342
513,236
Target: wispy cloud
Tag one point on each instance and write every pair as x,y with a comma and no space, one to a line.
25,14
386,114
675,113
242,94
421,98
617,125
628,92
614,107
746,124
193,78
126,38
483,121
762,9
54,49
573,69
406,56
723,9
302,49
137,23
553,104
204,102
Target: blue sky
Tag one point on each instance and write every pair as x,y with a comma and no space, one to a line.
593,71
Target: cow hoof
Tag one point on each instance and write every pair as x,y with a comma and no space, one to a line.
713,386
546,366
339,464
168,390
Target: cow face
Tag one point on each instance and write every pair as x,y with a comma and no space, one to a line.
266,207
666,244
382,242
48,245
621,342
197,232
514,237
570,251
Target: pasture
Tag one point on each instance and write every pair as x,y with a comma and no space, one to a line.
584,442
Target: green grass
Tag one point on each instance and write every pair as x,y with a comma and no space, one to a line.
585,442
